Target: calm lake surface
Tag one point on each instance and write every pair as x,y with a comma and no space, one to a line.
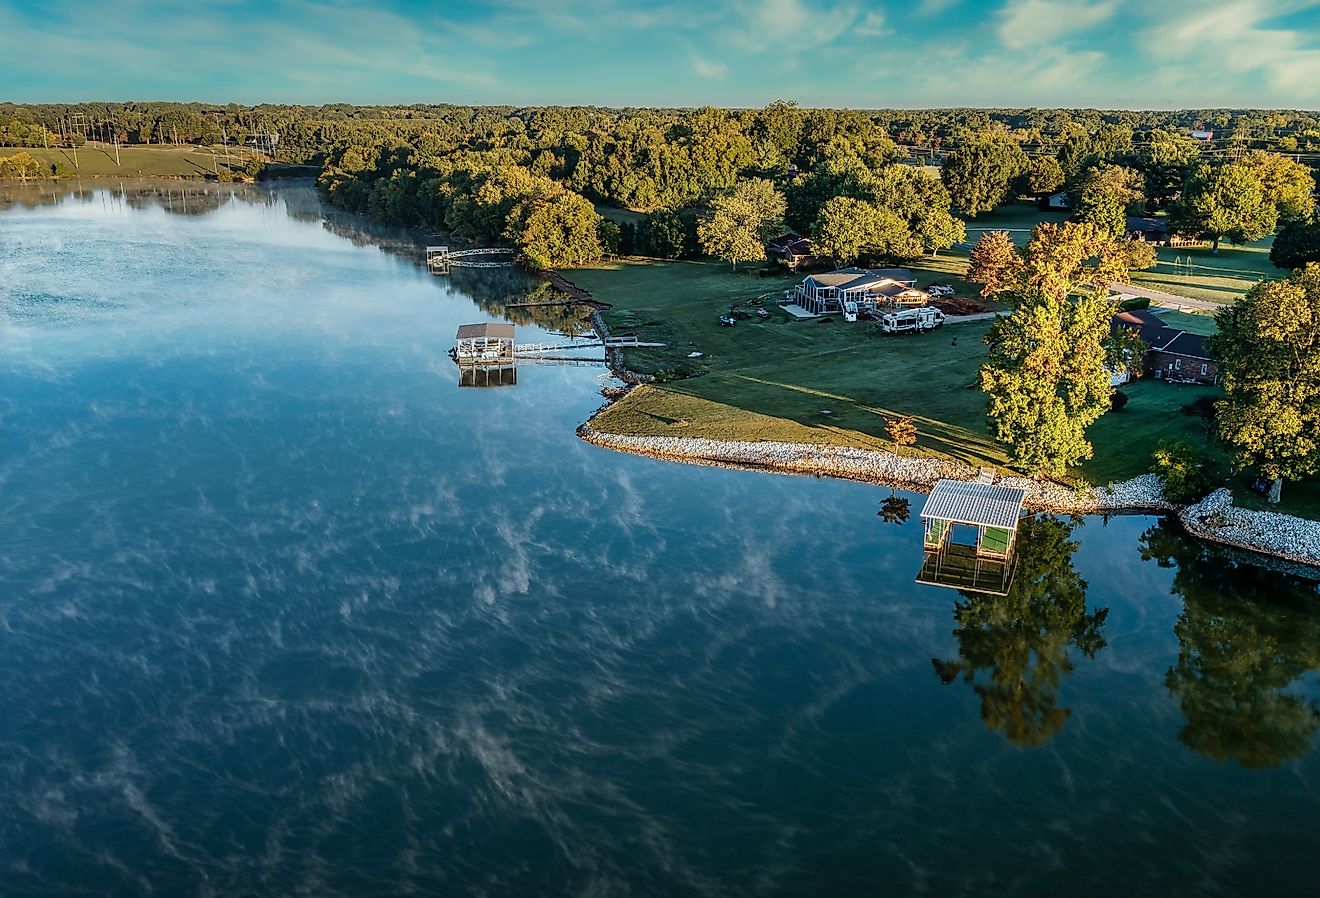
286,611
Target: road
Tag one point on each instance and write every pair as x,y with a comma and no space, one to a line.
1169,300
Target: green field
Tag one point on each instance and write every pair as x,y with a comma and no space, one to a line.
148,162
1200,274
833,383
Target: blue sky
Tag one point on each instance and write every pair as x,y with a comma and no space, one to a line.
1108,53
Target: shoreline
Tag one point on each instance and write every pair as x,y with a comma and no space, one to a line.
1214,519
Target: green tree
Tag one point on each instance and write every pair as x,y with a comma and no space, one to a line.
1014,649
1268,346
1247,636
1287,184
1297,243
1104,211
1182,468
980,174
1225,201
562,229
1044,175
1164,161
849,229
1046,375
740,223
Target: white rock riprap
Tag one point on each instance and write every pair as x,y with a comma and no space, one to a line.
1282,535
879,467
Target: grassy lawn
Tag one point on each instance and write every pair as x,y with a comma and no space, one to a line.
1016,218
1124,439
1222,278
834,383
95,162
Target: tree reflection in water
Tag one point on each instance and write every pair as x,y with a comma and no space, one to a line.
1014,648
1247,634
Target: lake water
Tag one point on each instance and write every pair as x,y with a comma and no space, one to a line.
286,611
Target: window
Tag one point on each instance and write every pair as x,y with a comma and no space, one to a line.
1177,363
1204,369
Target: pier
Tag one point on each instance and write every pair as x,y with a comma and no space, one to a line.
439,259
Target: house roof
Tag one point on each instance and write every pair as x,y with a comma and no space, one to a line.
978,504
489,329
1154,332
1162,338
1192,345
1147,225
858,277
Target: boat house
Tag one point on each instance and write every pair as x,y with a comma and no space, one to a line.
988,510
489,342
485,355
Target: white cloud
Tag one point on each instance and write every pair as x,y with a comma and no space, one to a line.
1032,23
708,69
873,25
1211,39
791,25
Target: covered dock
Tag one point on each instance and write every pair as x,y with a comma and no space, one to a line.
992,512
488,343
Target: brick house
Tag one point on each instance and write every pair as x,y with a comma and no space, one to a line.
1172,354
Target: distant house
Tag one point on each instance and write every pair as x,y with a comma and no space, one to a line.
1198,134
1172,354
1151,230
792,250
854,290
1059,200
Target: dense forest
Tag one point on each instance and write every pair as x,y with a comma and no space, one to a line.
865,184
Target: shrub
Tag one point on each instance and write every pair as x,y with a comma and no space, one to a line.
1182,468
1136,302
1118,400
1203,407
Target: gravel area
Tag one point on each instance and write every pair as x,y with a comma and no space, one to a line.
880,467
1281,535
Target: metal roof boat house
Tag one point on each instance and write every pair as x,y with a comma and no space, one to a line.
993,512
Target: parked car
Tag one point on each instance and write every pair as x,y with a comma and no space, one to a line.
762,313
727,321
939,290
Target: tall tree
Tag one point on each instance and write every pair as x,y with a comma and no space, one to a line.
1268,346
995,263
849,229
1297,243
1044,175
1286,183
1225,201
1045,376
981,173
740,223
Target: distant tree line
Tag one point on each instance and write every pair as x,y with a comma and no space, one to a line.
861,182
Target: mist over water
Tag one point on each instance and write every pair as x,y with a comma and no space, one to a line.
284,610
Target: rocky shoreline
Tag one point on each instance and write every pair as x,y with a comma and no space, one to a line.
1215,518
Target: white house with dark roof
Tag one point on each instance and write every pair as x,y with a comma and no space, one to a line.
854,290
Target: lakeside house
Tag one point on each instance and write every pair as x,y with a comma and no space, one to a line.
1172,354
792,250
854,290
